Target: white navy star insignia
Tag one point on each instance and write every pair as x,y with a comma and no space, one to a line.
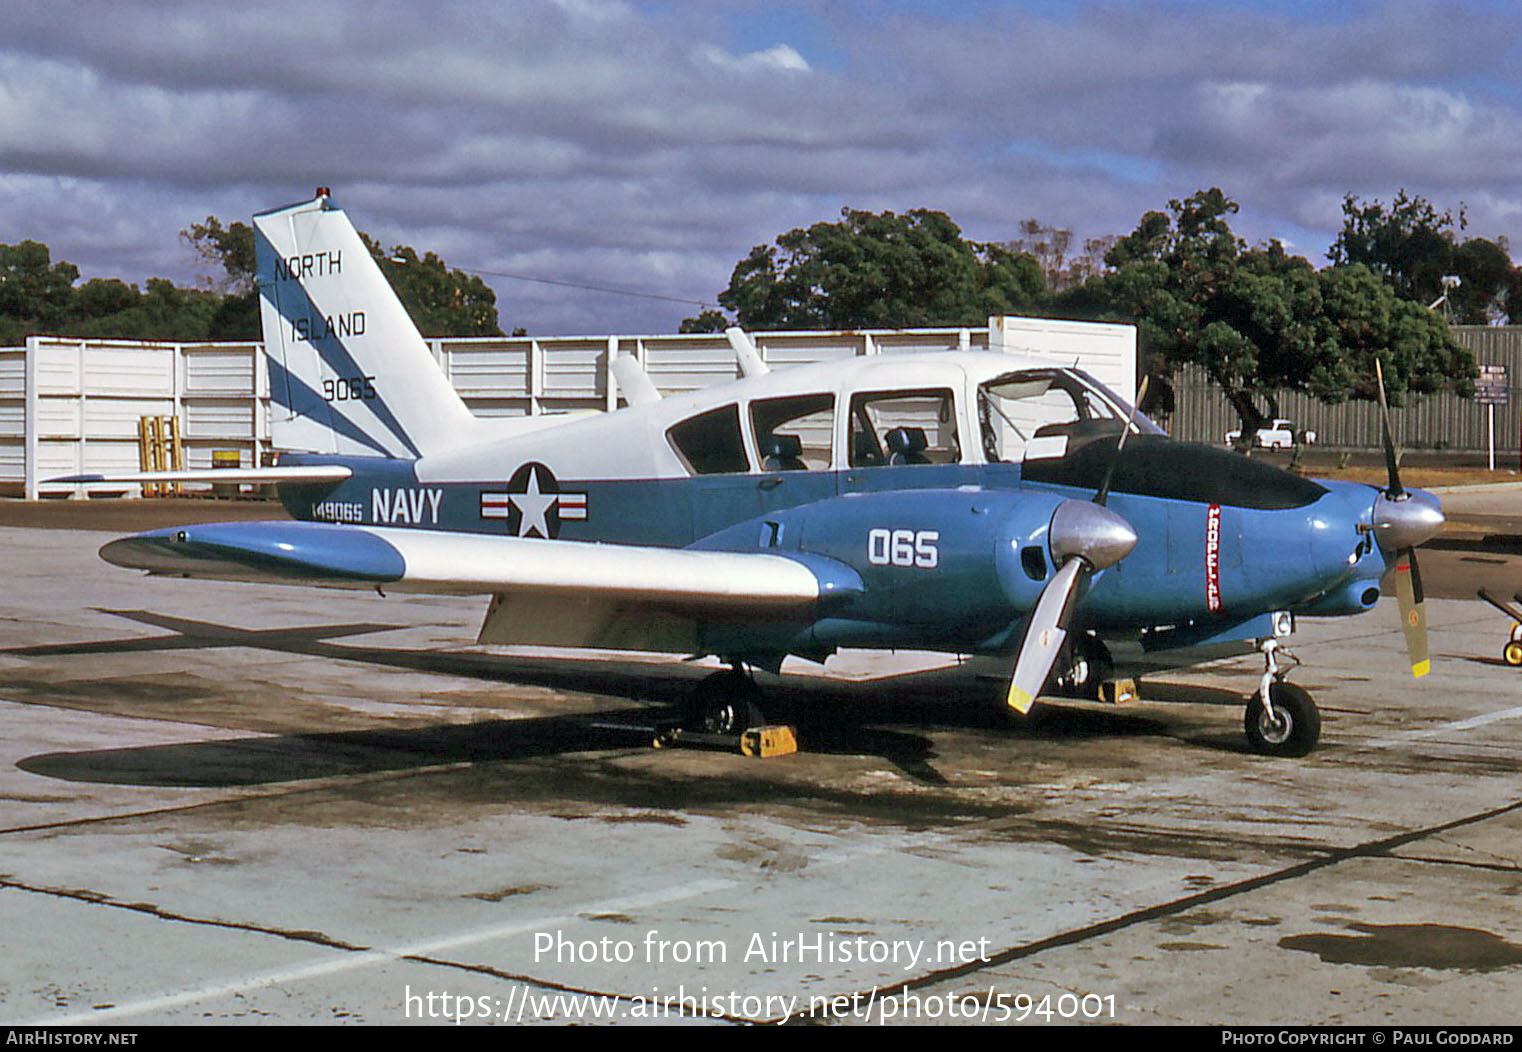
533,504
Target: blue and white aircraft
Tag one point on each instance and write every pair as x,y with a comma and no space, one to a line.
969,502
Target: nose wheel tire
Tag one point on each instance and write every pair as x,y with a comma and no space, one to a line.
1293,728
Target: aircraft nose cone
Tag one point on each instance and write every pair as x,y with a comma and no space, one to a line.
1090,531
1406,522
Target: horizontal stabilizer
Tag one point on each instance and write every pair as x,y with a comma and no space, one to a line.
473,564
312,474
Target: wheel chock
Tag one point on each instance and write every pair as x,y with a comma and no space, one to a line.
763,742
1118,691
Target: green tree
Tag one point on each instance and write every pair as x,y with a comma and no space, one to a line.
1366,320
231,248
1486,279
709,320
39,296
103,297
1410,243
36,294
1260,320
879,270
162,311
441,302
1415,248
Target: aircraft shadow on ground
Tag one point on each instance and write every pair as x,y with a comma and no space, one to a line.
873,718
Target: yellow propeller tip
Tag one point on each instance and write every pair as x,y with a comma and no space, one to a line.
1019,700
1421,669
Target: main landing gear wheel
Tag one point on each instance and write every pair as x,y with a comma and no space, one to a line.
1512,653
1083,667
1292,729
726,703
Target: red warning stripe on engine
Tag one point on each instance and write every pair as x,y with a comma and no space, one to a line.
1213,558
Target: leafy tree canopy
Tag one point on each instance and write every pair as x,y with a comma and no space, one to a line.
1416,249
1257,320
442,302
878,270
705,321
1260,320
231,248
35,292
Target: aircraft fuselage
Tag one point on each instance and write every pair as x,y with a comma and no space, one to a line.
950,555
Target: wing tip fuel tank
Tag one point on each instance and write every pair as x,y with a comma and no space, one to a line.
295,552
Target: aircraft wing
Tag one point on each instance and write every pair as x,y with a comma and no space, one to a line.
439,562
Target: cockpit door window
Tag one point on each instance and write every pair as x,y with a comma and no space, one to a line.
900,428
1035,414
794,433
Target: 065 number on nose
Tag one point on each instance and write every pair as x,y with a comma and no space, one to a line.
904,548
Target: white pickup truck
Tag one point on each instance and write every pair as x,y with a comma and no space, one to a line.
1280,434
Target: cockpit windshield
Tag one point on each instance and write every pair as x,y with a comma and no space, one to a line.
1032,414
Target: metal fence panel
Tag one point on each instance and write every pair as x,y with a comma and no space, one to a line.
677,365
488,370
913,342
783,349
220,370
12,418
12,372
114,370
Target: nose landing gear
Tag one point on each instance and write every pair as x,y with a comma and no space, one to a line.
1281,718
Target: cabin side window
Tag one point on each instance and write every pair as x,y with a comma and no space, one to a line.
710,443
795,433
890,428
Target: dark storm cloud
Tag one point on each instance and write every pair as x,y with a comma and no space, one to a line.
650,146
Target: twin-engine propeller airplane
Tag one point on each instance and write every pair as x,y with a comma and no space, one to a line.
970,502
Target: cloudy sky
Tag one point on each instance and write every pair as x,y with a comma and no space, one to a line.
648,144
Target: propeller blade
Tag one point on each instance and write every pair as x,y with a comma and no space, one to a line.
1413,612
1401,523
1083,538
1044,635
1394,490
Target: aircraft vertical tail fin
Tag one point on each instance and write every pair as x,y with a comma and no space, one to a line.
349,372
